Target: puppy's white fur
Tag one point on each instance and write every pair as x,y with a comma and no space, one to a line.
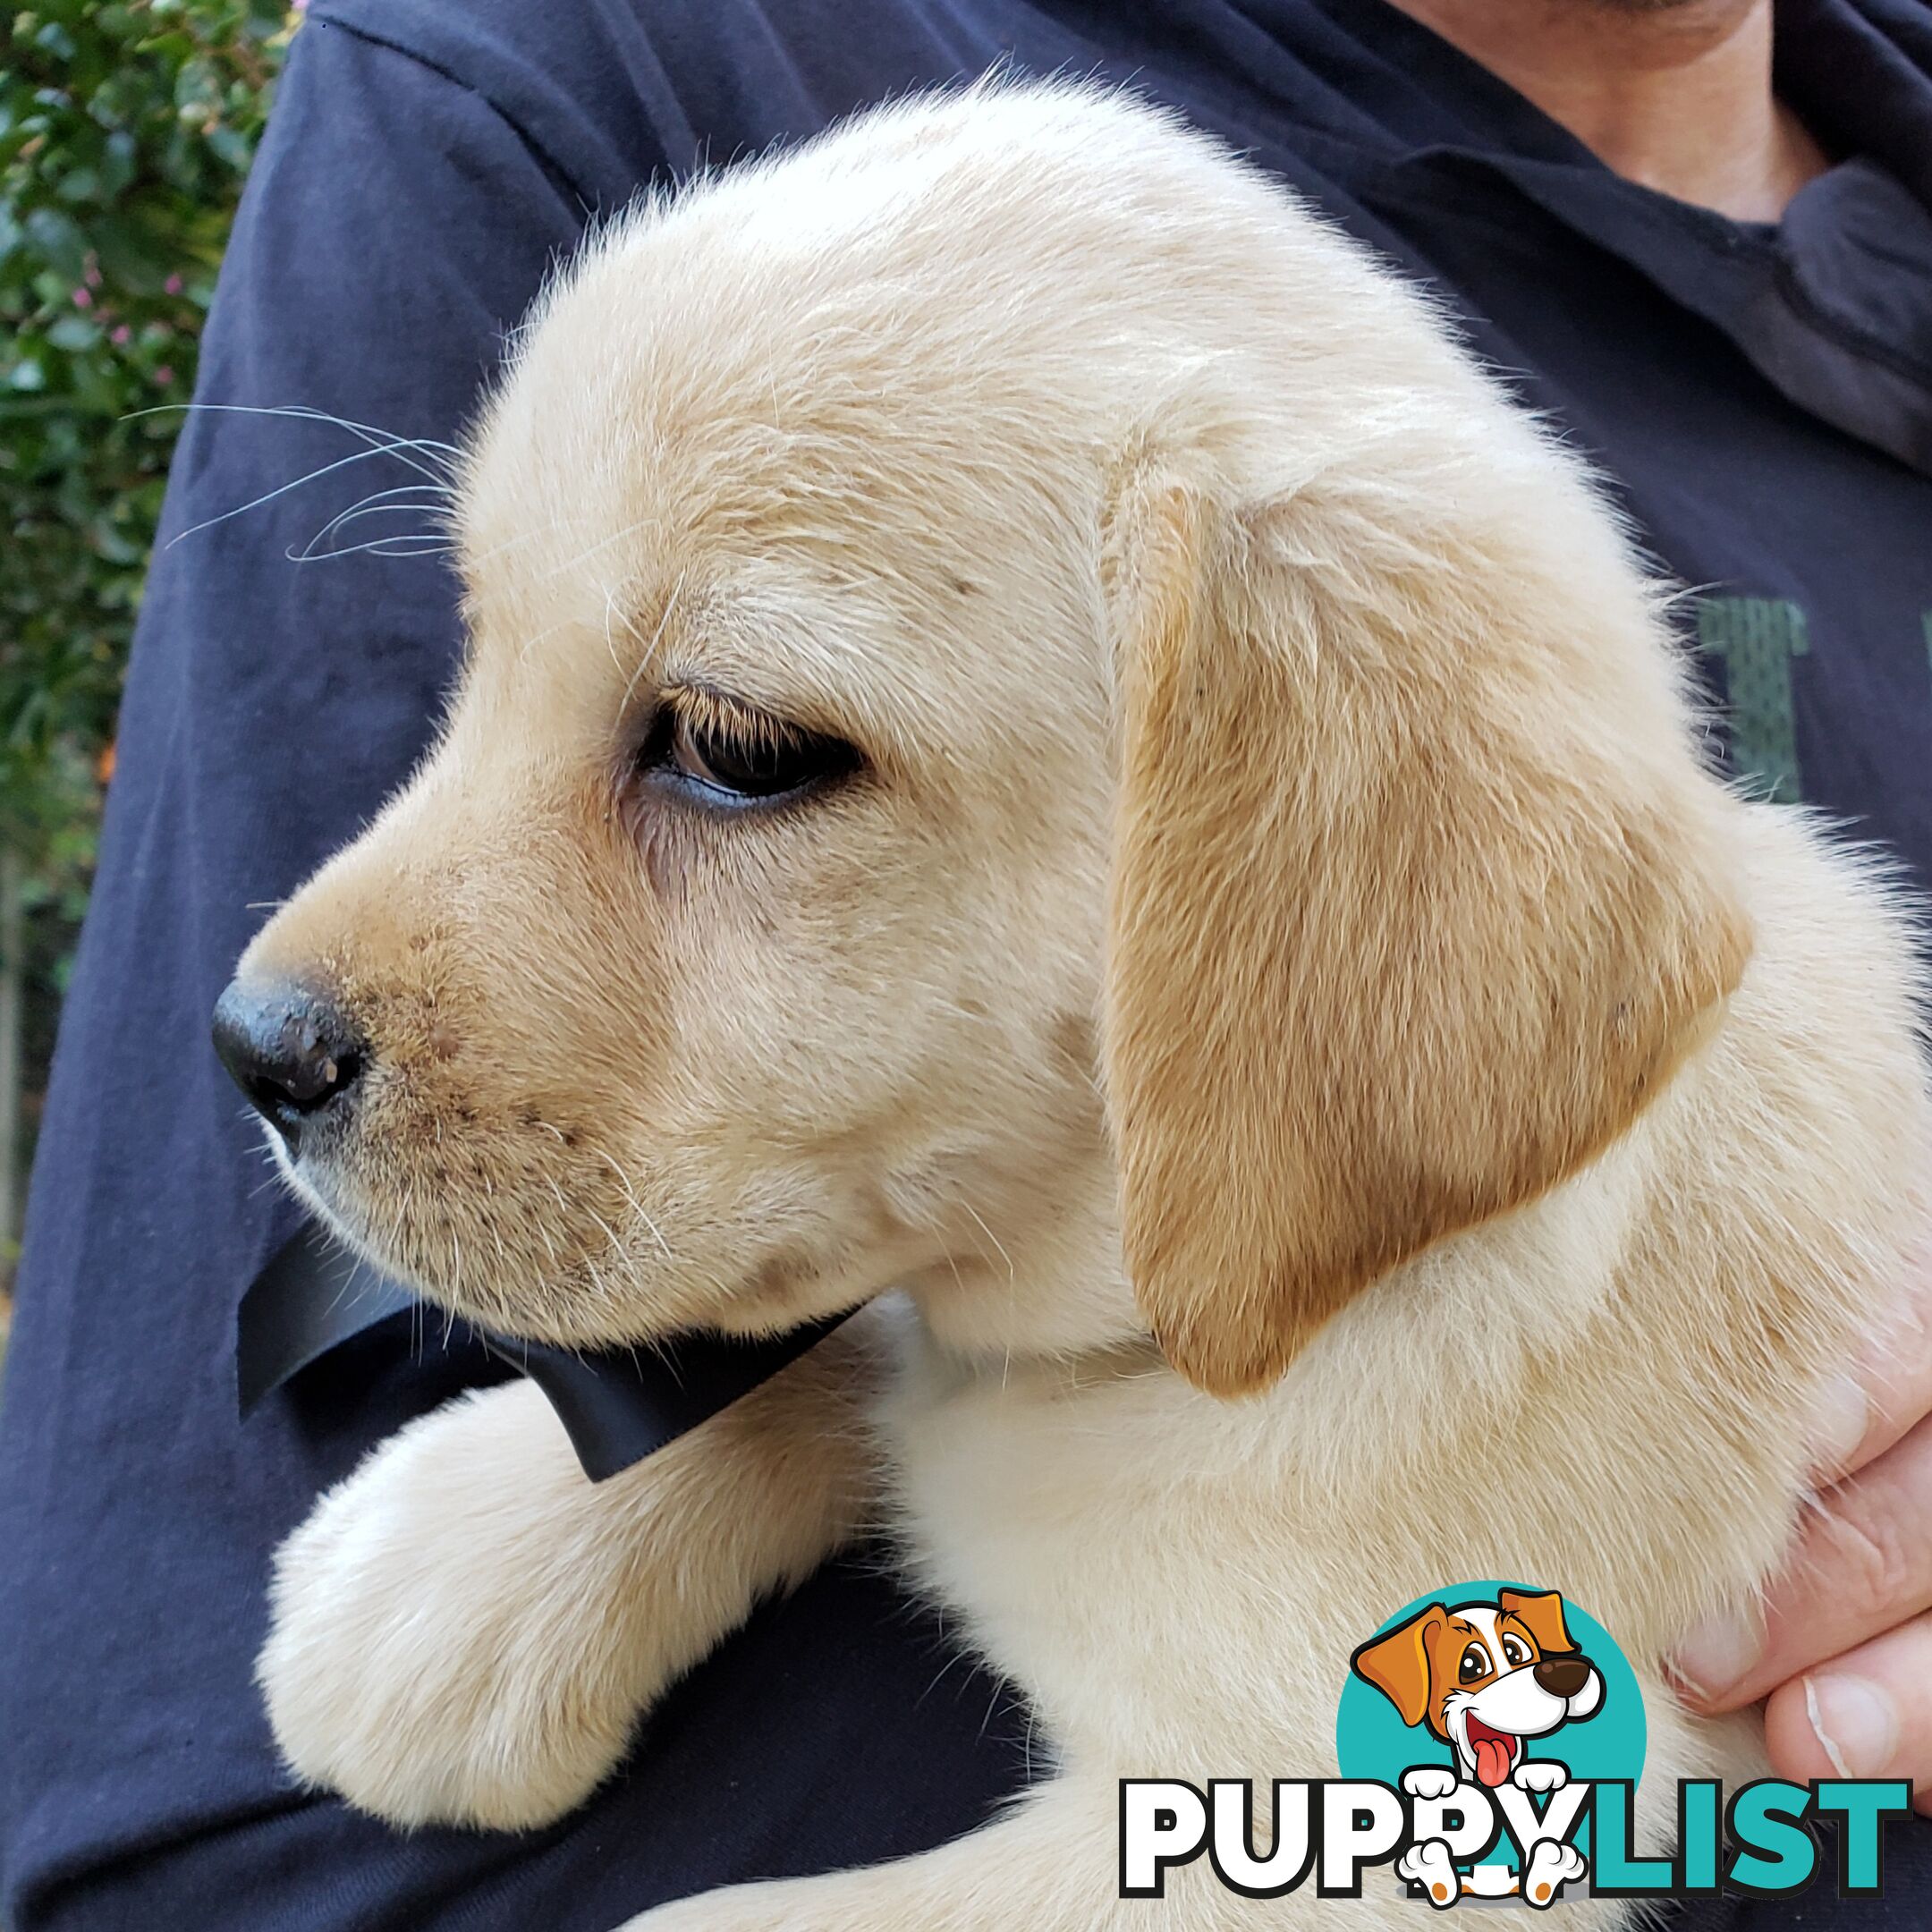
1267,729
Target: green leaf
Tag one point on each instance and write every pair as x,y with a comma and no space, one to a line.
61,240
74,332
232,146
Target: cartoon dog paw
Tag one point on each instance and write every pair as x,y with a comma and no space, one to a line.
1539,1775
1429,1864
1428,1781
1551,1866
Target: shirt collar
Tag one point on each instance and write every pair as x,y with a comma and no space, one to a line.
1832,306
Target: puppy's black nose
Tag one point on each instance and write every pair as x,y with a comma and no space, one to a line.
290,1051
1562,1676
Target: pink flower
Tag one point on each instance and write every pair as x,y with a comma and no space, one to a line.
173,284
120,335
163,375
83,300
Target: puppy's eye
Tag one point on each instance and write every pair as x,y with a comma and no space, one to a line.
1513,1653
728,753
1475,1664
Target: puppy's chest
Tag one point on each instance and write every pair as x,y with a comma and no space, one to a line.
1083,1534
994,1479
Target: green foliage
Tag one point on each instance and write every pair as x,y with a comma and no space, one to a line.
125,132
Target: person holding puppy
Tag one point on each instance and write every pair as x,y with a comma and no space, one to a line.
1696,236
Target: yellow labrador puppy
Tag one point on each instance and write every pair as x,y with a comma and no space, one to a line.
1038,736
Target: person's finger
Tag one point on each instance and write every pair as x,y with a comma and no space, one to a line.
1865,1714
1888,1387
1863,1563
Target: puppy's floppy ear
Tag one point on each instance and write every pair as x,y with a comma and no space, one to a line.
1397,1663
1399,934
1540,1612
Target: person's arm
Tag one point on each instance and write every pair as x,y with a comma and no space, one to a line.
393,230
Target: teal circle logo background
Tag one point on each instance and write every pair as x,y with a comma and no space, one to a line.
1372,1741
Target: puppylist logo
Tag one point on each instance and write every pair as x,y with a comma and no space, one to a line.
1490,1738
1499,1713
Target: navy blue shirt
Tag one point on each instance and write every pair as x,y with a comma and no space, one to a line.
1762,397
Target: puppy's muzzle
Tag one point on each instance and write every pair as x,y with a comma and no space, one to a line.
291,1051
1562,1676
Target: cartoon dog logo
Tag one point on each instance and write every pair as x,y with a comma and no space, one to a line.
1484,1678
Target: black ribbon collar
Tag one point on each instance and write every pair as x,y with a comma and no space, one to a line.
617,1405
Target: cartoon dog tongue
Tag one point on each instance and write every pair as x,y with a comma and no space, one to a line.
1494,1750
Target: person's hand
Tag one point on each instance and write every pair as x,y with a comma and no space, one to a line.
1844,1649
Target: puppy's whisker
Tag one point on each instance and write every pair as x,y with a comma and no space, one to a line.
537,637
600,1291
543,1234
377,446
603,543
520,536
991,1236
649,653
617,1248
268,496
444,455
610,642
315,551
381,504
604,1293
637,1206
383,547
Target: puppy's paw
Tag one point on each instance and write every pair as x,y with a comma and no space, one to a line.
1428,1781
1539,1775
1551,1866
446,1645
1429,1865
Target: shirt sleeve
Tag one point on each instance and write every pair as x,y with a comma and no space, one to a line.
404,208
392,233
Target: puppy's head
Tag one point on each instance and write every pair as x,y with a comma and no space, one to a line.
993,612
